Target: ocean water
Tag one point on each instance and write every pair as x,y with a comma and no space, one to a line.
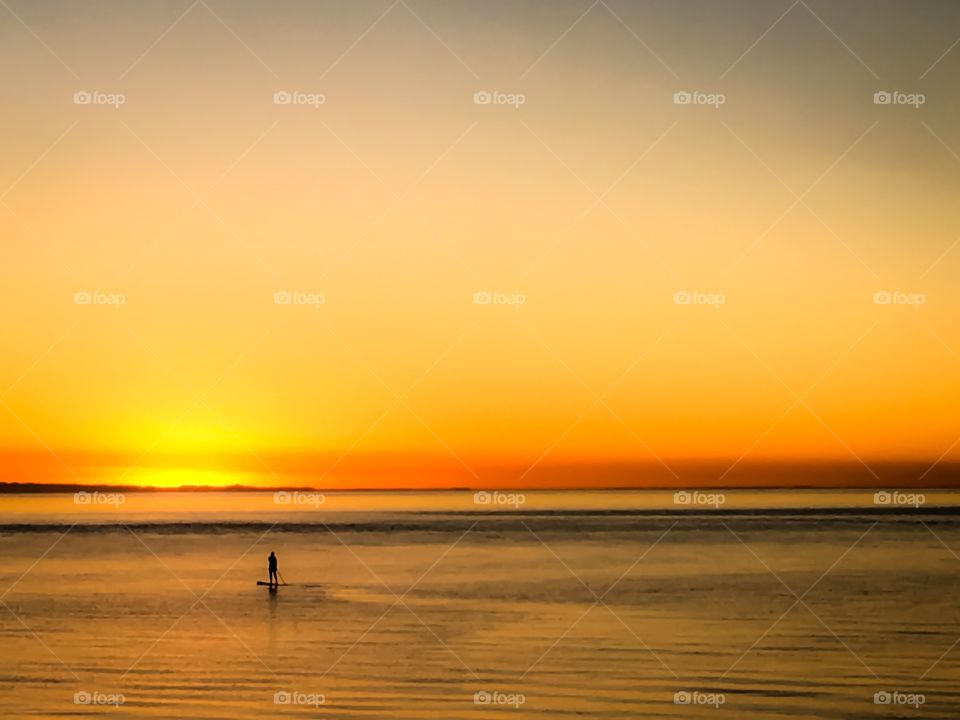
596,605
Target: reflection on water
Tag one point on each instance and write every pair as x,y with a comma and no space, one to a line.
413,615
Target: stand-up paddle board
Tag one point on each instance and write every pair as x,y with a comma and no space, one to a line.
261,582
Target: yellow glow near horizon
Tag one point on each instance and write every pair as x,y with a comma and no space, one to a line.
179,477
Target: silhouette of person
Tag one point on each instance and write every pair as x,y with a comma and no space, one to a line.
272,568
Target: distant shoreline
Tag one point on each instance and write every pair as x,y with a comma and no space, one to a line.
61,488
52,488
713,474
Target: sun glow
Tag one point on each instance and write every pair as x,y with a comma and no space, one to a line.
179,477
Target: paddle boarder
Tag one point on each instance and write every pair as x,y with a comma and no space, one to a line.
272,569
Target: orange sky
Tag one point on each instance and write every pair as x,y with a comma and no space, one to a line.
788,216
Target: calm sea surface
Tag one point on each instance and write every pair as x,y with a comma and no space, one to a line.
443,605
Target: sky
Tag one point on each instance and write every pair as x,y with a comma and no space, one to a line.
446,244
